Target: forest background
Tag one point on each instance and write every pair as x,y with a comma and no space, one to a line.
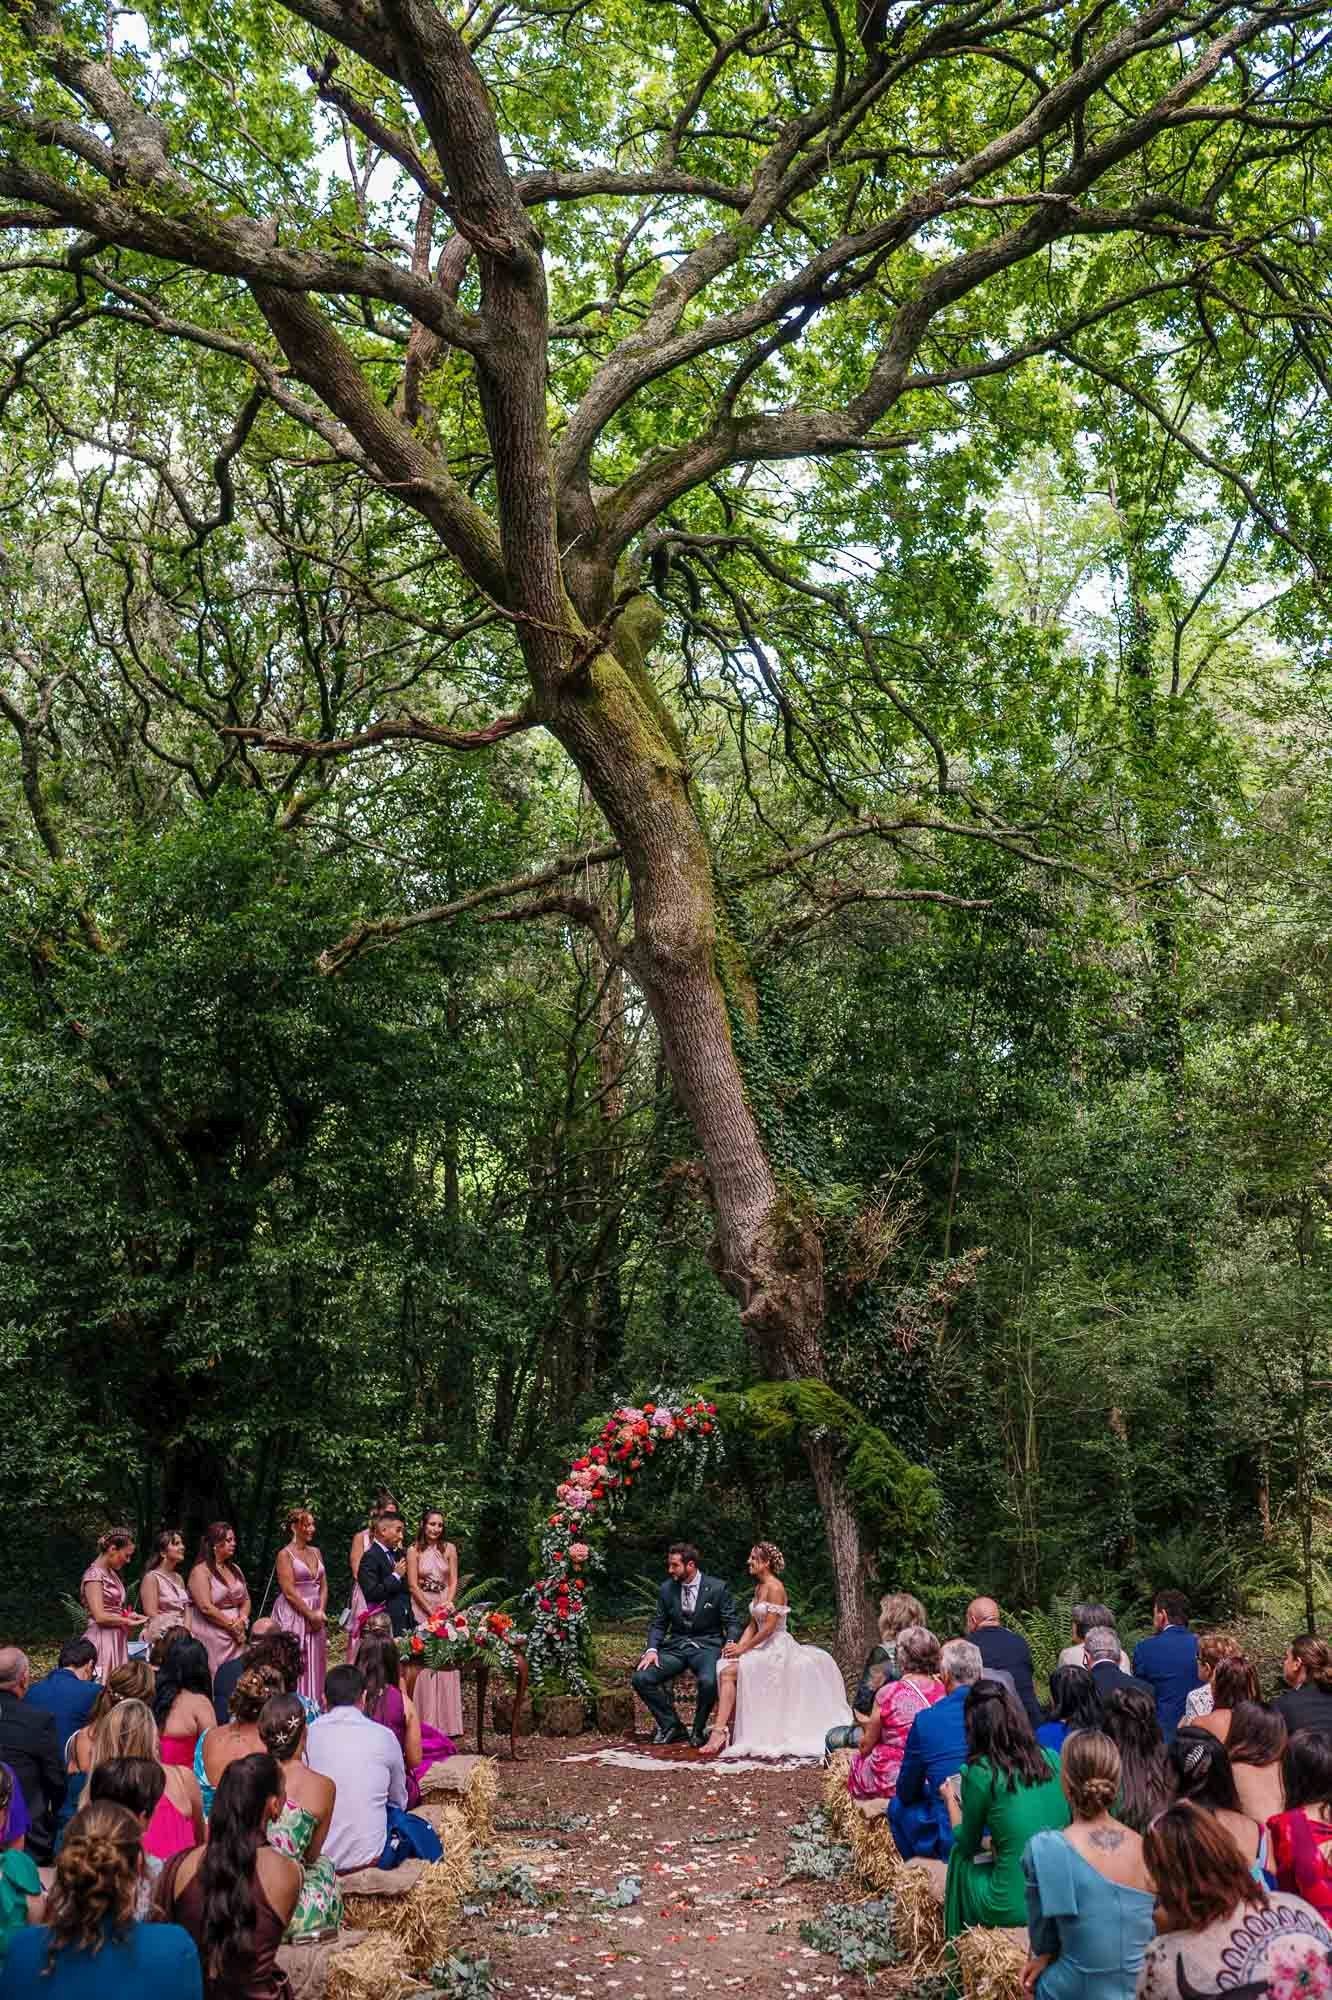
1002,740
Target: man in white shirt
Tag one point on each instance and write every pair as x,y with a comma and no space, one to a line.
363,1760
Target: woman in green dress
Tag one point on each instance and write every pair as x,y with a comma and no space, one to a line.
300,1829
1011,1789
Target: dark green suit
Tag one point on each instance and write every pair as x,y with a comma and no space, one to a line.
687,1642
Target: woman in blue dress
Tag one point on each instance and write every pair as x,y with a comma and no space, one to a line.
1090,1901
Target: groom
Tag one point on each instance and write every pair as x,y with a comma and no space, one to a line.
696,1616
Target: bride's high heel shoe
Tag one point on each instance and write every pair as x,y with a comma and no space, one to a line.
717,1729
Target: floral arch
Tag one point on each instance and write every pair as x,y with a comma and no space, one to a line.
587,1498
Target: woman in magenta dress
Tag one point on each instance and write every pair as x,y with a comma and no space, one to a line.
220,1596
302,1603
102,1589
162,1593
874,1767
383,1502
421,1744
432,1578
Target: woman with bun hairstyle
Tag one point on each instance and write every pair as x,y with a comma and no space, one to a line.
235,1896
1213,1647
301,1827
162,1592
1089,1897
220,1595
1306,1700
302,1602
102,1589
91,1946
237,1737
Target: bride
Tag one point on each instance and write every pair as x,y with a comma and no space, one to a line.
784,1698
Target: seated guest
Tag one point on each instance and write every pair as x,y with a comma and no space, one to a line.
132,1682
282,1650
874,1767
166,1602
1168,1661
896,1612
365,1763
137,1784
1233,1680
20,1884
1129,1719
238,1738
1306,1700
1213,1647
1074,1704
1089,1898
1219,1930
1302,1832
128,1731
1088,1618
1101,1653
15,1830
385,1702
69,1691
91,1946
1257,1745
936,1749
1199,1768
29,1746
1006,1651
1009,1789
301,1828
382,1574
226,1677
183,1701
235,1896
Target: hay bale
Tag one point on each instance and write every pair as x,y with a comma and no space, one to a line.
378,1969
474,1781
371,1895
875,1860
836,1798
308,1966
918,1919
991,1963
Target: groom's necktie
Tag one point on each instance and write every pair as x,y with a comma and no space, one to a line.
689,1597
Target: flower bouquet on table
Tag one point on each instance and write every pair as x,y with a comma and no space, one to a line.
455,1639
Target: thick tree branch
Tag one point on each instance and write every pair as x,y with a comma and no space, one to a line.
408,729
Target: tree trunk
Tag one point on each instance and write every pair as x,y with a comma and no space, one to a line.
766,1253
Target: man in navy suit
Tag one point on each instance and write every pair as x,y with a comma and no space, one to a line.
695,1617
1168,1661
1005,1651
1100,1654
69,1692
936,1749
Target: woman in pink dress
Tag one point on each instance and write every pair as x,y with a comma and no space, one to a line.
874,1767
383,1503
302,1604
432,1578
220,1596
102,1589
162,1593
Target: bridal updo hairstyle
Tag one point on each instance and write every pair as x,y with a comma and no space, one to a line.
281,1726
255,1687
769,1553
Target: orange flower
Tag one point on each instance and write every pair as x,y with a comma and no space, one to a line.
418,1643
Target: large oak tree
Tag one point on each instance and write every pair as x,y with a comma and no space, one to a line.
588,271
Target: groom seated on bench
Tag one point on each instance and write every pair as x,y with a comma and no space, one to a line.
696,1616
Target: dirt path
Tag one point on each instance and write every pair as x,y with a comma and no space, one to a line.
663,1881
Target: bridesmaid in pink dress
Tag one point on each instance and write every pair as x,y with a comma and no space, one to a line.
220,1596
302,1604
102,1589
432,1578
384,1502
162,1593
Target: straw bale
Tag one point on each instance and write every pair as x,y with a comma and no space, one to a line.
918,1919
836,1798
991,1963
378,1969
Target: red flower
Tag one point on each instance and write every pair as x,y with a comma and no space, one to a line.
418,1643
634,1464
707,1427
712,1409
544,1602
649,1409
554,1520
628,1482
598,1492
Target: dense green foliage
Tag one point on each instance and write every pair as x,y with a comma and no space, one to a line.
1009,741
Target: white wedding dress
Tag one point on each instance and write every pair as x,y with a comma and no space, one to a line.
787,1696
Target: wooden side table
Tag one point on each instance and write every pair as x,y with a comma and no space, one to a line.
479,1671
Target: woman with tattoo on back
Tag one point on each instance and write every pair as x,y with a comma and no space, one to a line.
1089,1896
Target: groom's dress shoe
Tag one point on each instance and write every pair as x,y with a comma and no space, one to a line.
675,1734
